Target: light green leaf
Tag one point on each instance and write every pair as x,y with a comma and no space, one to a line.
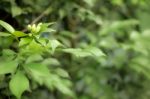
90,51
77,52
54,44
62,72
5,34
7,67
44,27
37,71
33,58
15,10
8,54
19,34
95,51
63,86
49,83
24,41
35,47
18,84
51,61
7,26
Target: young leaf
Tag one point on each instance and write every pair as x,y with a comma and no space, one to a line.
24,41
35,47
18,84
44,27
7,67
19,34
7,26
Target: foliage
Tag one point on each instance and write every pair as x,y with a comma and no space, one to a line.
71,59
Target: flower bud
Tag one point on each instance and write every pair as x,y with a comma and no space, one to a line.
29,27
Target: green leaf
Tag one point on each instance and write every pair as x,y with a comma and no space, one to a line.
51,61
54,44
7,26
95,51
8,67
24,41
15,10
44,27
62,73
33,58
90,51
18,84
8,54
35,47
77,52
37,71
19,34
5,34
63,85
48,82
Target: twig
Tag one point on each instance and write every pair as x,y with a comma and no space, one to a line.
48,10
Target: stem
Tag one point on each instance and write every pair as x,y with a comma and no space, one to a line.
48,10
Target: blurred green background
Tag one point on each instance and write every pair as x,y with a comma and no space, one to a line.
121,28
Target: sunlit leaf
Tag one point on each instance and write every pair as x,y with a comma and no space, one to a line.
24,41
19,34
90,51
7,67
18,84
35,47
37,71
33,58
54,44
7,26
44,27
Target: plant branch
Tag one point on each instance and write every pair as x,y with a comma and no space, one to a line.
48,10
